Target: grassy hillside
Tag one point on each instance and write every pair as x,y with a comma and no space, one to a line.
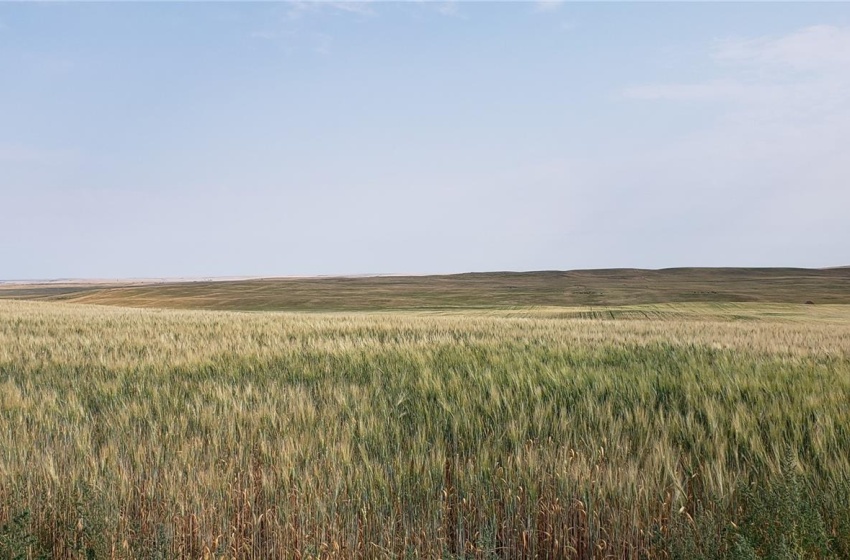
478,290
698,431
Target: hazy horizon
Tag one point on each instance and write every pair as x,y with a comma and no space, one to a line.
187,140
177,279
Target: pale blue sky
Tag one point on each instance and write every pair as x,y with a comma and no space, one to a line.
173,140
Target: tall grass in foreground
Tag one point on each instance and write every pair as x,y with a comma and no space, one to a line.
162,434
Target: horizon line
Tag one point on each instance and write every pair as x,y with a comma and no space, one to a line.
238,278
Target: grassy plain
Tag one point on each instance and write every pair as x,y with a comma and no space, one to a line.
492,290
695,430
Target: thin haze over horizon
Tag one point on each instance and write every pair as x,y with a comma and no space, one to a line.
157,140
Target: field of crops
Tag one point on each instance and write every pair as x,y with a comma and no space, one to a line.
655,431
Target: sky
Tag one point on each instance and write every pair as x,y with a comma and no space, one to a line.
270,139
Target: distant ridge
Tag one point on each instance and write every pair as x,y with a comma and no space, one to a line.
617,286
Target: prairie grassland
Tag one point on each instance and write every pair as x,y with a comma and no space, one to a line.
690,431
484,290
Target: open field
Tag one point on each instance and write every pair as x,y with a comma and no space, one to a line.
633,431
463,291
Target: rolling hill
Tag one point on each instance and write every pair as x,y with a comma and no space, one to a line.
471,290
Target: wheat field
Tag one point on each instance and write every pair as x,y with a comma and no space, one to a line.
652,431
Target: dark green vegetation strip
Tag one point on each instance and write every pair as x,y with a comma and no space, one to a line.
475,290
